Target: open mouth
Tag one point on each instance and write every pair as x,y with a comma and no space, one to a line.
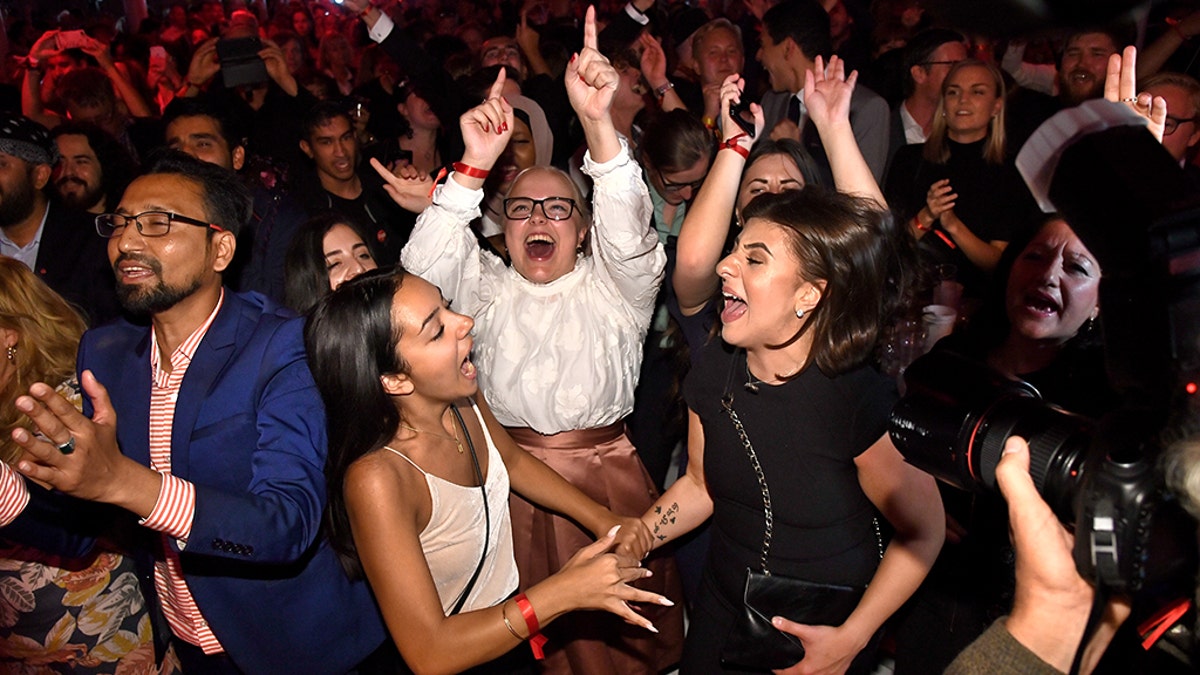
539,247
734,307
467,368
1041,304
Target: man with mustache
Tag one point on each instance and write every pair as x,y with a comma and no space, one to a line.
207,435
93,167
55,241
1081,70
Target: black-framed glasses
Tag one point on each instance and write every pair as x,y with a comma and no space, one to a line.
669,186
1172,123
148,223
555,208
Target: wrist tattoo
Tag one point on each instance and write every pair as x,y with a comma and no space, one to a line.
664,519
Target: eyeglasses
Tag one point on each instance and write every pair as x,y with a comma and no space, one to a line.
149,224
1172,123
554,208
668,186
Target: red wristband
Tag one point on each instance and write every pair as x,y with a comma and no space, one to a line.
732,144
917,223
946,239
470,170
536,640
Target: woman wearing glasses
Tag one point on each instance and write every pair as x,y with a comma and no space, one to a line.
559,339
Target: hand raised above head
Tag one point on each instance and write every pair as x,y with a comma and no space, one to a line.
731,95
827,92
1120,86
591,80
487,127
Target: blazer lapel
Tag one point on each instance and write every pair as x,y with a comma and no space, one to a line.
210,359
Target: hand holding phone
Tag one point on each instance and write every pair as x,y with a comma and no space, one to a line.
72,39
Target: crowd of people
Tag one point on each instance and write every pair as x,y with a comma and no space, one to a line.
374,337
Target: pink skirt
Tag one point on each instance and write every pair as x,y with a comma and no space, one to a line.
604,465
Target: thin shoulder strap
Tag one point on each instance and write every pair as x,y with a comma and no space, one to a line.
407,459
487,519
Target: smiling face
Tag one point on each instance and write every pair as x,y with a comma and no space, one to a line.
762,284
1054,286
542,249
435,342
154,274
346,255
1084,66
970,100
770,173
719,55
79,178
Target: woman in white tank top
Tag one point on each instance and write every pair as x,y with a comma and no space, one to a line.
405,508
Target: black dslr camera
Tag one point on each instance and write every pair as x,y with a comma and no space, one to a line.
1131,205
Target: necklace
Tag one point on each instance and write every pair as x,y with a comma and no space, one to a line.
453,427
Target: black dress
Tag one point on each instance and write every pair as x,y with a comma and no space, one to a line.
806,434
992,201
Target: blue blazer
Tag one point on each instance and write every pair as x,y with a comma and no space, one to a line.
249,433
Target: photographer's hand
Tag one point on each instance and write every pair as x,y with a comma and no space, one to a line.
204,66
1052,601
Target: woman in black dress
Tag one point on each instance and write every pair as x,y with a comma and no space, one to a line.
958,193
805,290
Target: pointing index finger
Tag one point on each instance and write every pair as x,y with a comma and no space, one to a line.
590,41
497,86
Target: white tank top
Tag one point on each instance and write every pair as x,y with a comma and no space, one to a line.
453,539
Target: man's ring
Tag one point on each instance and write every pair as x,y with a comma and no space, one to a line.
1131,99
68,447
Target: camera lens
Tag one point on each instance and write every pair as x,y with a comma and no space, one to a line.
957,413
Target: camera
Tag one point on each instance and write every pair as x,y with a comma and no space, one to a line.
240,62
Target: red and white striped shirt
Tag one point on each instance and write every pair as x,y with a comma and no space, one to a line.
172,515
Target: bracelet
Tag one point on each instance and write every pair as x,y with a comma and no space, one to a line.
471,171
916,221
662,91
709,123
732,144
507,624
536,639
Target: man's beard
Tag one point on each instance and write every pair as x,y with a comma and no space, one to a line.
17,205
83,200
1069,88
142,301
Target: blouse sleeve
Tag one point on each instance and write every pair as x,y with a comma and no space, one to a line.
443,251
625,247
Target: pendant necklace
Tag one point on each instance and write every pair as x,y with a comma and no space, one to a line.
453,427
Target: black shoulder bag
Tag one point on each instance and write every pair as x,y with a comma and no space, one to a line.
487,519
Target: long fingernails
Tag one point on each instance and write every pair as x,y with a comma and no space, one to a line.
665,601
648,574
613,531
650,627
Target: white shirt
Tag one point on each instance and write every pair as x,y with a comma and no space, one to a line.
564,355
29,252
913,132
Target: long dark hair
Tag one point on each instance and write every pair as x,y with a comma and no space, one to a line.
351,343
855,248
306,280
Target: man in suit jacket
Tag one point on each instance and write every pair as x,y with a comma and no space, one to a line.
214,438
58,243
793,34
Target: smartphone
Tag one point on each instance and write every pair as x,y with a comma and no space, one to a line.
72,39
240,62
158,57
740,112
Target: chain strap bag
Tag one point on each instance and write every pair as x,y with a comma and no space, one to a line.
753,642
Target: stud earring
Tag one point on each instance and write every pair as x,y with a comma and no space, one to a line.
12,353
800,314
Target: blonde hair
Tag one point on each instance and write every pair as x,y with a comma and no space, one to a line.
48,331
937,150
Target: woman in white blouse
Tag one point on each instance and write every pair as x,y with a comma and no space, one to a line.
559,339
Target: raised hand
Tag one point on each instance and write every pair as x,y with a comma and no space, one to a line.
731,94
205,63
1120,86
827,92
486,128
653,61
407,185
591,80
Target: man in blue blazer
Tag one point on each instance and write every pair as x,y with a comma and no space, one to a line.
208,428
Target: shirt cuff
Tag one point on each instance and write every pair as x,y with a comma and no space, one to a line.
382,28
176,506
598,169
458,199
636,14
14,494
